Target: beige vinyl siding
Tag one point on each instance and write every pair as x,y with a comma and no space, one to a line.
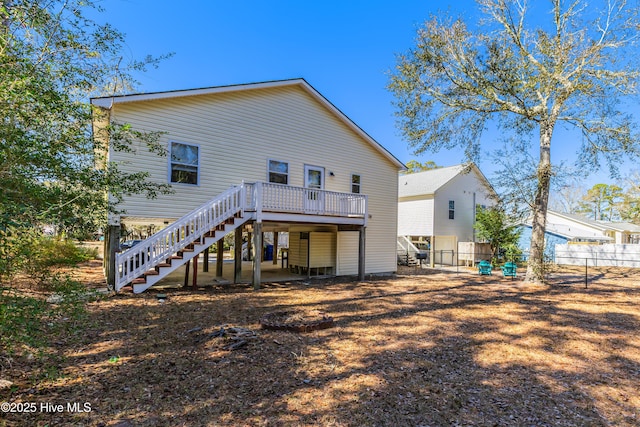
237,132
321,246
322,249
297,250
347,246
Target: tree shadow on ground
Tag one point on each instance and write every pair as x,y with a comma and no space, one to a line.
428,351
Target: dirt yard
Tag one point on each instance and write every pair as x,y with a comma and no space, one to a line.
421,349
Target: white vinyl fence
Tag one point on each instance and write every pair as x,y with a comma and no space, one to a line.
607,255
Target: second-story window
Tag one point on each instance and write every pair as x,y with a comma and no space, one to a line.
355,183
278,172
185,162
452,209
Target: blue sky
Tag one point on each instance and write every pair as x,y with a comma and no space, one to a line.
343,48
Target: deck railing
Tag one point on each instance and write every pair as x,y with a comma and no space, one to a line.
270,197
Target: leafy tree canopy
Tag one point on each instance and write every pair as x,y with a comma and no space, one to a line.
495,227
52,59
601,202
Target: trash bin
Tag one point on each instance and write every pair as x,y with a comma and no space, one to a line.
268,253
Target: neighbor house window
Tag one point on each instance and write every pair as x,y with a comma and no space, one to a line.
185,161
355,183
278,172
452,209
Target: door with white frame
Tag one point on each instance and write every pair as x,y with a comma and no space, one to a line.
314,183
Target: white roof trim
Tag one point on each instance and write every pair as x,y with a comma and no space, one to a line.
108,102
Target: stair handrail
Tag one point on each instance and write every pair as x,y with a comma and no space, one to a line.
407,245
135,261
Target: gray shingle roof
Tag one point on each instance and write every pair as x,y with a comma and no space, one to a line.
427,182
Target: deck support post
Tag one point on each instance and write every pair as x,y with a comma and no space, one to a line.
205,261
257,245
186,273
237,254
275,248
111,246
194,279
219,257
361,253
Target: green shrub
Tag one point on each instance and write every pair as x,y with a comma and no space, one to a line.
21,320
51,252
27,251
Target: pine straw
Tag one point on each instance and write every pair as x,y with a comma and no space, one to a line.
438,349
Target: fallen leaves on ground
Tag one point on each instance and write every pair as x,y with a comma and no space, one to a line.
425,348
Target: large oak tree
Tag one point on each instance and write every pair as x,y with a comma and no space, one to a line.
572,63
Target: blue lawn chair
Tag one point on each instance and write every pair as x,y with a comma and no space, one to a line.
484,268
509,269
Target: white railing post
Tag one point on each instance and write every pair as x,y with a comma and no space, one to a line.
242,203
258,194
365,208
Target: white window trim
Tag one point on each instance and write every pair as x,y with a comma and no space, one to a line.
288,170
308,167
351,182
197,184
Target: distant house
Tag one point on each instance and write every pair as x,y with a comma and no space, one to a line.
624,232
249,159
437,208
563,228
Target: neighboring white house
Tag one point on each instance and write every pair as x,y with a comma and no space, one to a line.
564,229
437,208
265,157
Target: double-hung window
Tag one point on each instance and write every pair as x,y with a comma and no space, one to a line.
355,183
452,209
278,172
185,163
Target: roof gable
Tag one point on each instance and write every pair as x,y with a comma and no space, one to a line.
429,182
110,101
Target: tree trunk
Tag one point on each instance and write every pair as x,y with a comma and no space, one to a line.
535,266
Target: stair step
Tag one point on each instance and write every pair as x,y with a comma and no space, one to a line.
166,264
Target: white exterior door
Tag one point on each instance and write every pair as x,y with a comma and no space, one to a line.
314,181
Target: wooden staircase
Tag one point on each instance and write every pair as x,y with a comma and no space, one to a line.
408,253
153,259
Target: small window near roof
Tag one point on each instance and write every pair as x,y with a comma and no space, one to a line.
452,206
278,172
355,183
185,159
